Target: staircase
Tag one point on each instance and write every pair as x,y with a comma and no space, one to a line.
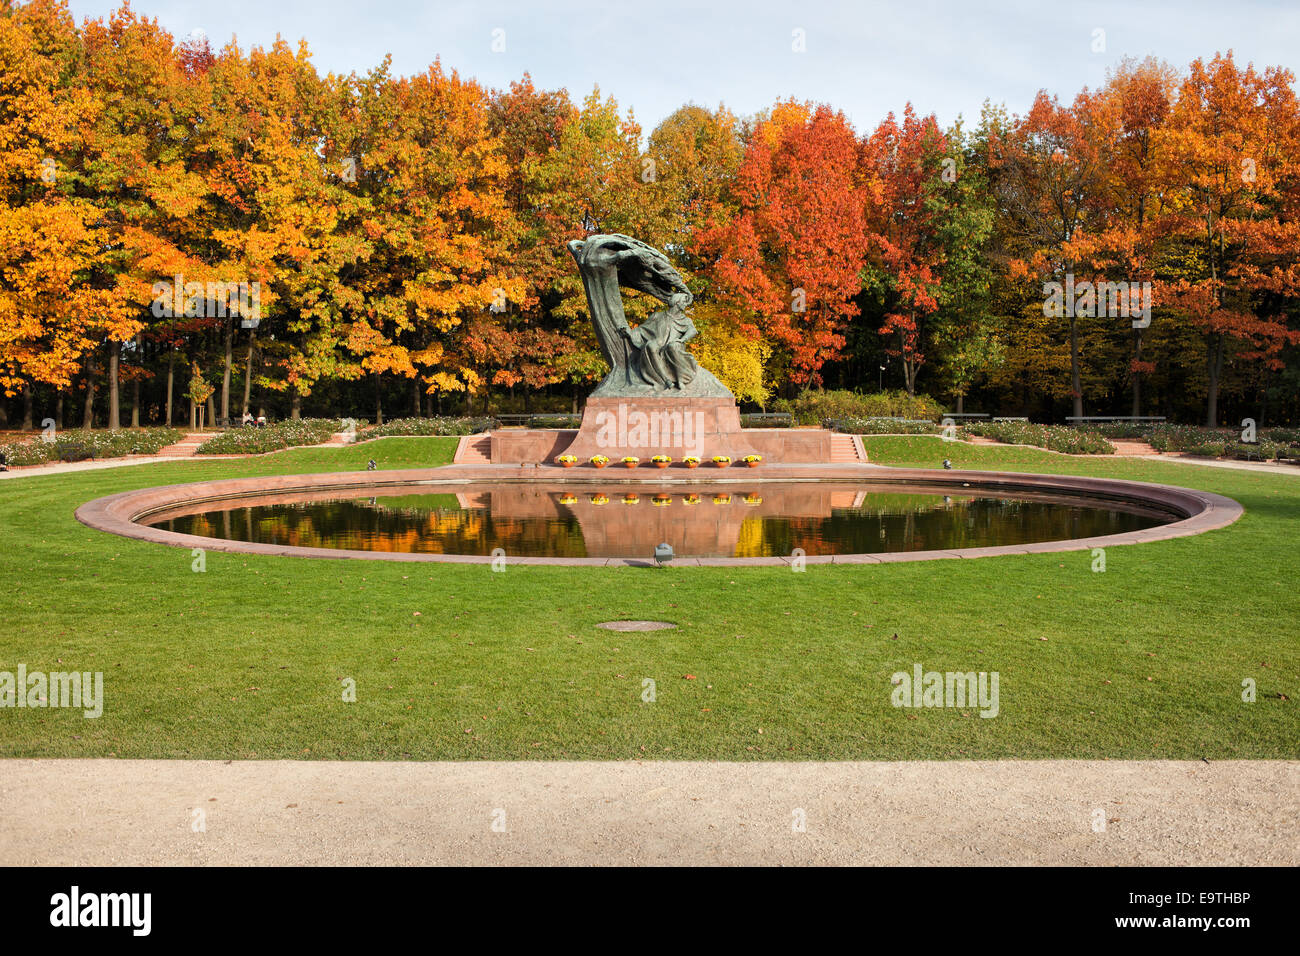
186,447
473,450
846,449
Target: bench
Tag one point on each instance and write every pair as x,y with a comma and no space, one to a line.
1011,418
1075,419
538,420
554,420
507,421
75,451
4,461
774,419
965,415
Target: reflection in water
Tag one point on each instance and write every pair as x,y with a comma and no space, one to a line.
699,521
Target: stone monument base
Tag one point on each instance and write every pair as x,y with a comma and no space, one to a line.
645,427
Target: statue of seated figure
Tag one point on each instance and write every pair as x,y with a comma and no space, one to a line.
657,347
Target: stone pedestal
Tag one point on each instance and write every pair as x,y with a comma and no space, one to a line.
645,427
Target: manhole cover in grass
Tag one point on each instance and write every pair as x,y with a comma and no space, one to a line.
636,625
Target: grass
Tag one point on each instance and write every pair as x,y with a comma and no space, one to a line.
248,659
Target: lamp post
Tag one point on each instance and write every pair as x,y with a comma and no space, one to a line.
880,384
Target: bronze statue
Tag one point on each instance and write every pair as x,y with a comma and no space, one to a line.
652,359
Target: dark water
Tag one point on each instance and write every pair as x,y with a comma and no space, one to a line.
625,521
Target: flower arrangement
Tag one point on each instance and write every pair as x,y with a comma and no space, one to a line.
599,499
630,499
722,461
752,460
662,461
691,500
661,500
568,499
722,499
631,461
691,461
753,499
600,461
568,461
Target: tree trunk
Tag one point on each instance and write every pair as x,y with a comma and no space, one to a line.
194,416
114,387
135,403
1137,376
248,370
212,413
4,413
961,403
1076,382
415,396
171,379
225,375
58,411
379,408
28,416
295,406
88,416
1215,351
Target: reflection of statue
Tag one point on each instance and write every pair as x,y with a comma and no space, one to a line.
651,359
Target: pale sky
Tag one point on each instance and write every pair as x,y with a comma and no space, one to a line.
863,58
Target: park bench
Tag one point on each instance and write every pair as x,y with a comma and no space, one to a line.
1139,419
538,420
965,415
1011,418
554,420
512,420
771,419
4,461
75,451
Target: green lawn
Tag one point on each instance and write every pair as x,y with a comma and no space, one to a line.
457,662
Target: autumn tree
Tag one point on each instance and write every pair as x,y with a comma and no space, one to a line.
1232,142
790,260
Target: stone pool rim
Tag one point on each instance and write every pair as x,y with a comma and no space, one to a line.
119,514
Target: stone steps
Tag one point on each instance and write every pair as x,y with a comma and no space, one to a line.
846,448
474,450
187,446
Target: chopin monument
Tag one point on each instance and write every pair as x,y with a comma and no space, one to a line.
656,399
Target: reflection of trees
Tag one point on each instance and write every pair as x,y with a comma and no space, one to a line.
929,523
895,522
356,525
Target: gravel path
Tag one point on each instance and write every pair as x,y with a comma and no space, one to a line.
136,812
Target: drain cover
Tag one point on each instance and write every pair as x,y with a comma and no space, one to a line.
636,625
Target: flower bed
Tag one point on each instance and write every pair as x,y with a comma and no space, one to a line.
816,405
1069,441
259,441
98,444
887,426
440,425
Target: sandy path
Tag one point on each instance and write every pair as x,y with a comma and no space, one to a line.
118,812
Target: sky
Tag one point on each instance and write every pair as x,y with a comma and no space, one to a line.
866,59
